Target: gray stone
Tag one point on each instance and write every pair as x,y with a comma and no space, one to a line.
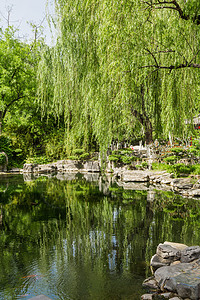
195,193
177,246
28,168
150,283
157,262
182,183
190,253
184,279
165,276
135,176
147,297
166,295
168,252
175,298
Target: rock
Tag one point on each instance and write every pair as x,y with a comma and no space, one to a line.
194,193
190,253
135,176
63,166
168,252
166,295
175,298
157,262
45,168
184,279
150,283
165,275
147,297
91,166
177,246
28,168
182,183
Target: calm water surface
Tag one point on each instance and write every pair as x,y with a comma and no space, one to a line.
85,238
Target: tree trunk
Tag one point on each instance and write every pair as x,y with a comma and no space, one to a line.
146,123
1,120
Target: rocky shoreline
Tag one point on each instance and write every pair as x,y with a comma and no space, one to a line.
128,179
176,273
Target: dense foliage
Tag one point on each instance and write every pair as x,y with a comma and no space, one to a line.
121,69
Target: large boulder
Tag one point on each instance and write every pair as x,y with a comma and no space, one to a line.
190,253
176,269
184,279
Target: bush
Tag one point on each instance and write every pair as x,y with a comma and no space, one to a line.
2,159
84,156
177,150
38,160
162,167
126,160
171,159
181,168
113,157
5,145
73,157
144,164
78,151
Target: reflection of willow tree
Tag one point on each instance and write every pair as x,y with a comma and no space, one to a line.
175,219
84,238
100,234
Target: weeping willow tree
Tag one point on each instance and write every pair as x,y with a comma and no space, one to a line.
121,69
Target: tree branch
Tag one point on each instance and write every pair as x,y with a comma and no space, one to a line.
9,104
172,67
175,6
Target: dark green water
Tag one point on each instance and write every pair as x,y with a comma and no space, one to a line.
78,239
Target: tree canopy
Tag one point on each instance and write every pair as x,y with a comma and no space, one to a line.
18,63
120,70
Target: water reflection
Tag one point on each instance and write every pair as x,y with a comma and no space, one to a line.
75,238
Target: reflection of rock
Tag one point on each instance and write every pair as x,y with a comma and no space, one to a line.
92,176
28,176
151,196
177,272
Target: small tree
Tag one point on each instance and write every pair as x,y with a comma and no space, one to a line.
17,72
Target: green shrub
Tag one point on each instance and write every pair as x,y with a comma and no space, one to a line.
5,145
113,157
38,160
177,150
182,168
194,151
138,166
162,167
126,152
126,160
2,159
116,152
144,164
73,157
84,156
78,151
171,159
197,169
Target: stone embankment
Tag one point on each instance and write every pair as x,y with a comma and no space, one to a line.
176,273
161,180
128,179
63,166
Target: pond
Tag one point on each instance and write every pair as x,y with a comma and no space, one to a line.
78,237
